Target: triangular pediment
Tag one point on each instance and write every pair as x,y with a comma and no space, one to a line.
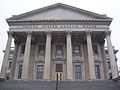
58,12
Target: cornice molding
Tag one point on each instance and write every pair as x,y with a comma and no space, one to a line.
59,20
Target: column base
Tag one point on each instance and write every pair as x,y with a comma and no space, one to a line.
2,78
24,78
93,78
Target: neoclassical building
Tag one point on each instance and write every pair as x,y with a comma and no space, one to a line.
59,39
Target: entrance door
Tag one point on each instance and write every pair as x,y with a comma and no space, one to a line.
59,72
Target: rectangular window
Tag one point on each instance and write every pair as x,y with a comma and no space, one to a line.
95,50
97,71
9,66
78,72
19,71
59,50
11,52
109,65
76,50
39,71
22,49
41,50
59,68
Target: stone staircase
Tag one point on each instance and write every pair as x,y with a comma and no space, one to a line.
62,85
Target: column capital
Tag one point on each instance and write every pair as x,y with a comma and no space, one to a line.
88,32
16,42
68,32
102,41
48,32
108,33
29,32
10,33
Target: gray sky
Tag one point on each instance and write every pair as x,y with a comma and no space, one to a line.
16,7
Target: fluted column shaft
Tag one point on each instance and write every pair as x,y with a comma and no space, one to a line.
111,55
90,56
47,67
26,60
13,66
69,57
6,56
104,61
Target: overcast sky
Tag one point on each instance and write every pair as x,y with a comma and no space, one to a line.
16,7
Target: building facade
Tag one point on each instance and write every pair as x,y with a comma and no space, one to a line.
59,40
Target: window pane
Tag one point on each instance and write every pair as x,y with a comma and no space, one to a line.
109,65
59,50
22,49
76,50
78,74
39,71
10,63
95,49
58,67
41,50
97,71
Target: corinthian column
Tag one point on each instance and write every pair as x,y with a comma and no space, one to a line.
26,60
47,67
90,56
13,66
111,55
69,57
104,61
6,55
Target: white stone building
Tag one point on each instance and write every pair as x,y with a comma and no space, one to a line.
59,39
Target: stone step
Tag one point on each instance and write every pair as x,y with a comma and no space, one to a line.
62,85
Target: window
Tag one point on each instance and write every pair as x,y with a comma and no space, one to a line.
97,71
109,65
22,49
11,52
110,76
9,66
19,71
59,50
95,51
41,50
76,50
78,72
39,71
59,68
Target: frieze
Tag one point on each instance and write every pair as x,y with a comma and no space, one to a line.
57,26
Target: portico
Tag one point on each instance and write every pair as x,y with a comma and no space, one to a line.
68,46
